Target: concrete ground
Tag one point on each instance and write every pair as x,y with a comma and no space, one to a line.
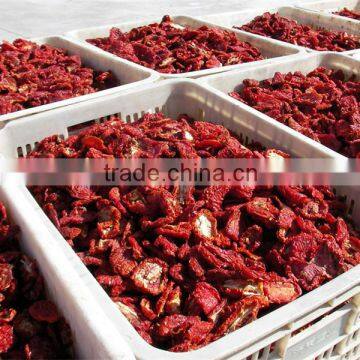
33,18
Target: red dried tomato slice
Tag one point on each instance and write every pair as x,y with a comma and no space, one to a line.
172,325
44,310
173,302
262,210
240,313
93,142
109,222
145,306
281,292
7,315
149,276
6,276
204,226
203,299
6,338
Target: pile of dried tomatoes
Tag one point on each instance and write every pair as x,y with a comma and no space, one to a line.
188,266
30,325
288,30
33,75
322,105
169,48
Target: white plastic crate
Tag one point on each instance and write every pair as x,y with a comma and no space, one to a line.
330,6
228,82
266,338
269,49
302,16
93,333
127,76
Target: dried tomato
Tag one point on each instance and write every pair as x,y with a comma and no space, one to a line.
204,226
109,222
149,276
173,302
44,310
145,306
240,313
172,325
263,211
6,338
203,299
120,261
6,276
281,292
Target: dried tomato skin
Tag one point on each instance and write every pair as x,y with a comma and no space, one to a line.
171,50
186,268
